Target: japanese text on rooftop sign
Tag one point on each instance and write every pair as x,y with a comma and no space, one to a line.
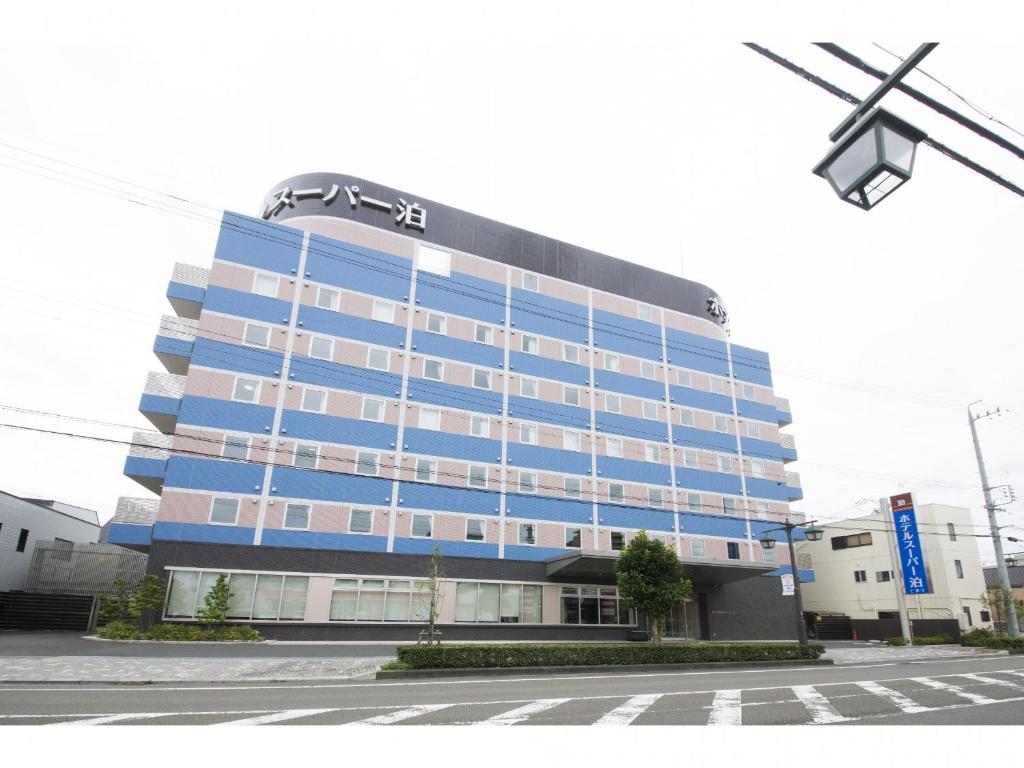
412,215
908,544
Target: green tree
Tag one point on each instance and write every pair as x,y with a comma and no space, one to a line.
215,606
119,606
432,587
650,576
995,600
149,600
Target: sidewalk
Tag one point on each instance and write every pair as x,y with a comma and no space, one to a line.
869,652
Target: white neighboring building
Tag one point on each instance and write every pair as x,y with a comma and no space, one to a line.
24,522
855,574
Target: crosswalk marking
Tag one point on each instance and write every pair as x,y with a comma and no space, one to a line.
893,697
401,714
977,698
818,706
277,717
114,718
726,708
624,714
519,714
995,681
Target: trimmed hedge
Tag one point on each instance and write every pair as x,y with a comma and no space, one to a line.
454,656
934,640
986,638
896,641
119,630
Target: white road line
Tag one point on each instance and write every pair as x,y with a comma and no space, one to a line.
402,714
818,706
519,714
977,698
726,708
994,681
113,718
893,697
625,714
276,717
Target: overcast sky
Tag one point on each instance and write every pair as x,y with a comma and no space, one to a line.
654,138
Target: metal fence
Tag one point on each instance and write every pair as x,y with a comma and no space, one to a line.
68,568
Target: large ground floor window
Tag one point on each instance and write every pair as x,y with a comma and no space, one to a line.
267,597
595,605
357,599
502,603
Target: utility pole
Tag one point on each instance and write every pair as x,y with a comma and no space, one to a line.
889,523
1004,576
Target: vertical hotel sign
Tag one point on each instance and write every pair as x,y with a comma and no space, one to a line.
915,581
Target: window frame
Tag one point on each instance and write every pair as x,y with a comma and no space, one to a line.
536,387
369,357
314,390
297,453
689,414
489,334
578,494
351,515
382,303
383,412
608,441
431,465
260,326
440,364
469,475
483,529
621,494
730,547
608,398
645,309
487,373
330,347
376,463
267,276
475,419
443,323
309,517
533,534
569,433
213,505
578,537
519,482
652,449
688,454
535,279
412,525
644,404
256,392
703,547
566,346
644,366
424,409
334,303
532,431
724,421
528,339
617,367
246,440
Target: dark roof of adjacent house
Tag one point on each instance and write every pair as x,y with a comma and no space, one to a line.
1016,573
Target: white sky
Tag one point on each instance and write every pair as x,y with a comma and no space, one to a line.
648,134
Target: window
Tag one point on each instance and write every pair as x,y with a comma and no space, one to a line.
686,417
652,453
436,323
573,537
616,492
749,393
236,447
767,555
426,471
618,540
762,509
959,566
650,410
481,378
571,441
256,335
434,261
528,434
373,409
527,482
433,369
683,378
528,387
571,396
479,426
477,476
484,334
326,298
967,615
360,521
296,516
654,496
224,512
265,285
314,400
530,282
378,359
367,463
729,506
570,353
732,550
690,458
246,390
717,385
383,311
644,312
757,468
860,576
422,526
321,347
305,456
594,605
646,369
611,362
573,487
430,418
527,533
853,540
754,430
721,423
474,529
613,403
952,531
883,576
984,616
613,447
724,463
530,345
693,502
697,548
504,603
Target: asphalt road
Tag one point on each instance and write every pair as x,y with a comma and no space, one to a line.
936,692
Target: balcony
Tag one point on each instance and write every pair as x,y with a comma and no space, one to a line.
782,413
793,486
132,524
147,460
174,341
788,447
161,400
187,290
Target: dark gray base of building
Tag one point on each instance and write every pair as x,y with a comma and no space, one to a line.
750,609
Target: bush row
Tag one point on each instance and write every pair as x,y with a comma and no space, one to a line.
986,638
120,630
934,640
572,654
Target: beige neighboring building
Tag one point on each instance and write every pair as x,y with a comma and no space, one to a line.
855,575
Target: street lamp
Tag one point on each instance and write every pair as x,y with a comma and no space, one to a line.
812,533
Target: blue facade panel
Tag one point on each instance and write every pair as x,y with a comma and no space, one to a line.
637,471
295,483
165,345
788,454
629,385
128,533
553,459
258,243
690,437
213,475
751,365
301,425
783,417
768,489
627,335
714,482
614,515
530,409
248,305
317,320
518,552
468,295
639,429
438,497
210,534
358,269
436,443
235,357
448,548
275,537
532,507
546,368
695,398
159,404
723,526
548,316
758,411
690,350
136,466
225,414
439,393
761,449
439,345
185,292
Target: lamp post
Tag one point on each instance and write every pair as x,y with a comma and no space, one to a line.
812,533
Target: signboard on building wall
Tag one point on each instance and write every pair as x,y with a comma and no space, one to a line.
908,544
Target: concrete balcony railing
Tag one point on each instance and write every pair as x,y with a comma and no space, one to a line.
793,479
782,411
181,328
161,400
164,384
786,441
134,511
147,460
147,445
174,341
189,274
187,290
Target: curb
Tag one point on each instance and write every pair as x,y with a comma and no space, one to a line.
398,674
133,683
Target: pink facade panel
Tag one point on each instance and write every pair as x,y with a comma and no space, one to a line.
483,268
179,507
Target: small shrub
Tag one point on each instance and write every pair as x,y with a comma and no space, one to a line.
896,641
395,665
119,630
977,637
934,640
192,632
1003,643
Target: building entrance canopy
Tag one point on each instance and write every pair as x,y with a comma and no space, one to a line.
595,567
